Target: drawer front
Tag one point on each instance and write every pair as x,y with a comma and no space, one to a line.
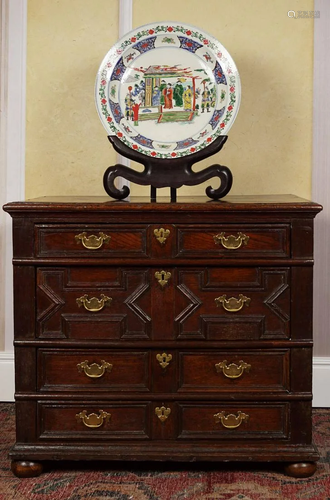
231,241
78,370
225,303
234,371
91,241
93,421
104,302
96,302
234,421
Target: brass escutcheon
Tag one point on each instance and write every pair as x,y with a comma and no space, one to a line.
231,242
92,420
231,421
162,235
92,242
162,277
232,370
232,305
94,304
162,413
94,370
164,359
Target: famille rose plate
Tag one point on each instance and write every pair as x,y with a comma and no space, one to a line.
167,90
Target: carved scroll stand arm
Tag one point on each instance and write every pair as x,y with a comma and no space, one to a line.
174,173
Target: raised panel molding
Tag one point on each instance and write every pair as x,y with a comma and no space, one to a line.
271,287
59,315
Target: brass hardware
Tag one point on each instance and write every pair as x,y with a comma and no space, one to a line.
231,421
92,420
232,304
162,277
162,235
94,370
92,242
162,413
164,359
232,370
231,242
94,304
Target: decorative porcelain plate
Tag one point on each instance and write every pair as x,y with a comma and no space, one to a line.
167,90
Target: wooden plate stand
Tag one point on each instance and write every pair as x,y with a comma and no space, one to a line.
172,173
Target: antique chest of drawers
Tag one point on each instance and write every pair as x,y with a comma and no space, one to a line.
163,331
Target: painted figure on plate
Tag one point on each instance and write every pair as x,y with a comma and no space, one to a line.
187,99
161,89
168,97
206,100
135,110
156,96
178,93
128,105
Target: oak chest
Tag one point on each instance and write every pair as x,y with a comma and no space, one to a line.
159,331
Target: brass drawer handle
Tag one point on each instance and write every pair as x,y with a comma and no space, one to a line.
92,420
162,277
162,234
162,413
232,370
94,370
232,304
92,242
164,359
231,242
94,304
230,421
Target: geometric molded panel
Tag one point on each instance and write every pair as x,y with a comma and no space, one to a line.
193,303
49,302
265,315
128,313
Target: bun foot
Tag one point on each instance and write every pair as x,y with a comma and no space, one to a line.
26,469
300,469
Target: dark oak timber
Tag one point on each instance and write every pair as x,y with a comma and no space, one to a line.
163,331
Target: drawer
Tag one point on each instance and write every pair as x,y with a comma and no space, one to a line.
95,421
231,241
231,371
213,303
92,370
98,302
234,421
233,303
68,240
